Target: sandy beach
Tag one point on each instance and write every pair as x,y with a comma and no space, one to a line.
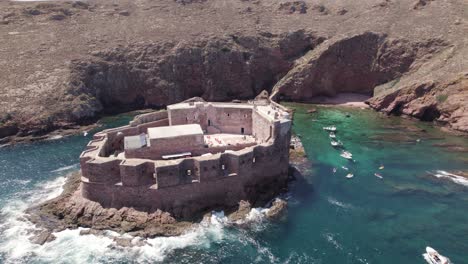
343,99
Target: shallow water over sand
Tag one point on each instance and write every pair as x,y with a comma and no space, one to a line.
331,219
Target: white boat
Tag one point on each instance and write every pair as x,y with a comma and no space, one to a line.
85,133
346,155
336,143
349,175
344,168
433,257
330,128
334,170
378,175
332,135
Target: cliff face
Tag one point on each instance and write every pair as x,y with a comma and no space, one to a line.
64,63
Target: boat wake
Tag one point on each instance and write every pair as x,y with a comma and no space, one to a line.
458,179
335,202
71,247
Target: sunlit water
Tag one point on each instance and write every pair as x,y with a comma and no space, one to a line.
331,219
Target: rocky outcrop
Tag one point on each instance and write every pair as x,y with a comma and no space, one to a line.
444,102
65,63
155,75
70,210
351,64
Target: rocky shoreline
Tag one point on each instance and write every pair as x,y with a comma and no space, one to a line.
295,50
71,211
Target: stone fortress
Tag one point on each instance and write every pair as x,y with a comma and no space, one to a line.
196,156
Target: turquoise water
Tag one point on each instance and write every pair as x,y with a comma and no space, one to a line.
331,219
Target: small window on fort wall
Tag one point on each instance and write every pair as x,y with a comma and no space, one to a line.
242,130
228,114
189,172
253,160
223,167
209,122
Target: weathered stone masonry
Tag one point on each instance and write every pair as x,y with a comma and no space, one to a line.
252,164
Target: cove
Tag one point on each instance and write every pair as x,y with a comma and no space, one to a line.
331,219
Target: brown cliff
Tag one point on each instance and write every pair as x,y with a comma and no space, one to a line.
65,63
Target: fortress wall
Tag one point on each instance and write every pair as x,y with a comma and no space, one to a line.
214,150
188,171
209,168
138,173
175,144
230,120
102,171
150,153
167,175
149,117
262,128
226,119
143,128
230,162
245,163
184,116
186,199
100,192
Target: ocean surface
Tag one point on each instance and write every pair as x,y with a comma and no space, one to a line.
331,219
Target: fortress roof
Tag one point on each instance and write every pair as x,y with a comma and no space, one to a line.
174,131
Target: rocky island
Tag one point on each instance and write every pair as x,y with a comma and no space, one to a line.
167,169
206,153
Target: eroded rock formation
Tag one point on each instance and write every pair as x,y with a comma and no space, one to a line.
65,63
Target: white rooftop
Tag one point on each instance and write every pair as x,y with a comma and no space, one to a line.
174,131
134,142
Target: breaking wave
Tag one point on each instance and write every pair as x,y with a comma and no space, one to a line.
71,247
458,179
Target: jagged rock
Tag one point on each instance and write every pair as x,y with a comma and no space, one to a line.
242,211
42,237
277,209
299,7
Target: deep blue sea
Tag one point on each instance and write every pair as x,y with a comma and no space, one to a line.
331,219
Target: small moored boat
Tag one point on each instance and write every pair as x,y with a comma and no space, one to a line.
433,257
346,155
336,143
330,128
349,175
332,135
378,175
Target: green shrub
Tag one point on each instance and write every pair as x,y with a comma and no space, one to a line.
441,98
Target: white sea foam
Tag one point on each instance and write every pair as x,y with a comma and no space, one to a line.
71,247
450,176
65,168
335,202
332,240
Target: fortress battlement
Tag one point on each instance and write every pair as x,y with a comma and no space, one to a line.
193,156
